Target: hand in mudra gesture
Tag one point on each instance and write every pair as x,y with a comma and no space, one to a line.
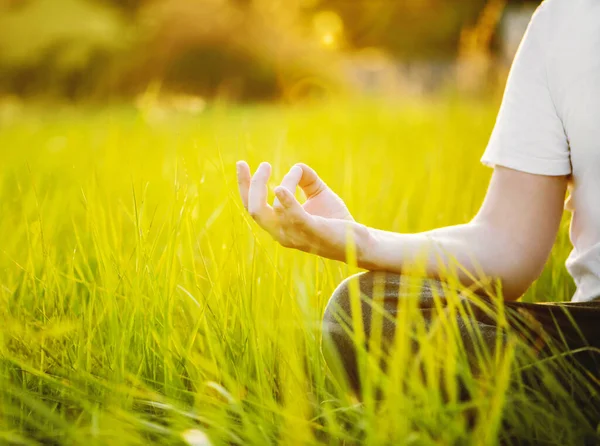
320,225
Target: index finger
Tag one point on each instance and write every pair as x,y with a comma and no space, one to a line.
258,207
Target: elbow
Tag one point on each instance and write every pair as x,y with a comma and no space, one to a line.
513,263
511,289
518,271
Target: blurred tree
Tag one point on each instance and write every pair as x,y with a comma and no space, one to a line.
58,46
408,29
127,6
243,49
240,48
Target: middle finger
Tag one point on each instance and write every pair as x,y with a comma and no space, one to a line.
290,182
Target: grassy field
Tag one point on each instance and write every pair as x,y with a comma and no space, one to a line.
139,304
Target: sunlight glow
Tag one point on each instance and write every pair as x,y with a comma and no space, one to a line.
328,39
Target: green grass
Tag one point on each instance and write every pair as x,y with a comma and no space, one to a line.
137,301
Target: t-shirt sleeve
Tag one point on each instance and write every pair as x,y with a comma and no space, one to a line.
529,135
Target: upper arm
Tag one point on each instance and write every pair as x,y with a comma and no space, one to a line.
522,213
531,157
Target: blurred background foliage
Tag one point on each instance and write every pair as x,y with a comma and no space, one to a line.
238,49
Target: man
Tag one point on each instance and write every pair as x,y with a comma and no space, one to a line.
546,138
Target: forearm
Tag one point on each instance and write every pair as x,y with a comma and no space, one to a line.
474,251
509,239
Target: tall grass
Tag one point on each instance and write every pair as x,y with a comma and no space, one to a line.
138,301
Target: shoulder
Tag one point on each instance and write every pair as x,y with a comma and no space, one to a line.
555,19
556,12
563,5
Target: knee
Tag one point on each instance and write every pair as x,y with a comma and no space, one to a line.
377,292
339,345
370,286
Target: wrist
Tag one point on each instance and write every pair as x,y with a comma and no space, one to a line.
366,247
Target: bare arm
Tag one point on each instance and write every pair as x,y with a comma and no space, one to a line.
509,239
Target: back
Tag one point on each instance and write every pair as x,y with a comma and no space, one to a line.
574,82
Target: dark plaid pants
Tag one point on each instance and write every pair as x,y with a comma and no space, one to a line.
573,328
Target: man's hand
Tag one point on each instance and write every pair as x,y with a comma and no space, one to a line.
319,226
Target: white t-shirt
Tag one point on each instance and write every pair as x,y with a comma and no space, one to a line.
549,121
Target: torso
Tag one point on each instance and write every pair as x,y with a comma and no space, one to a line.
574,81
